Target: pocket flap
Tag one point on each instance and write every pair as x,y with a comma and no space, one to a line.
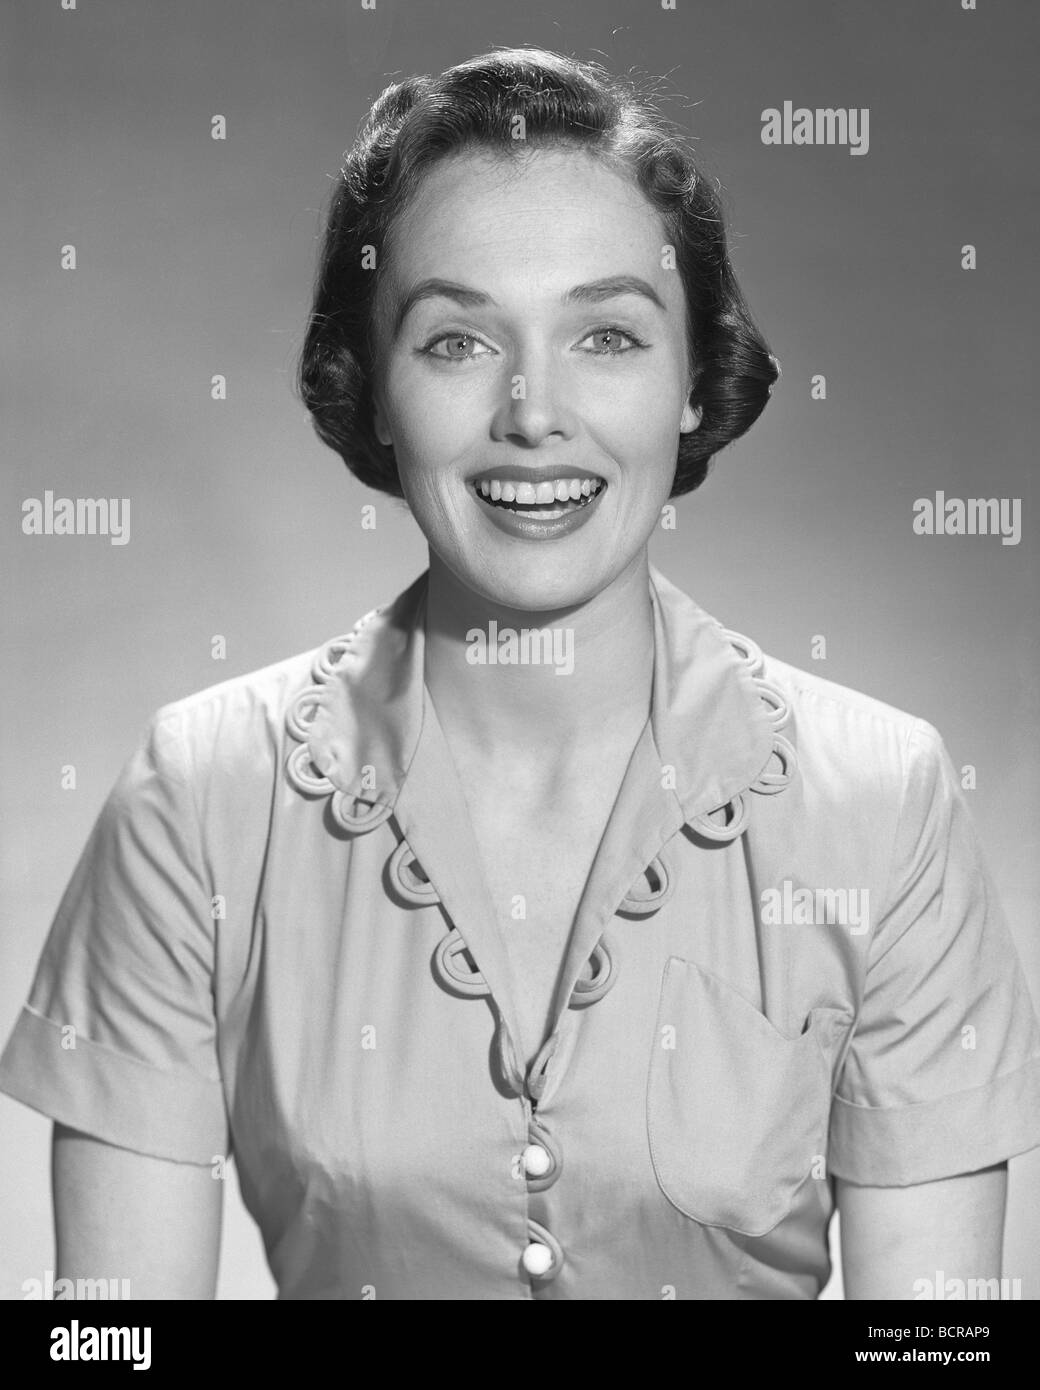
737,1112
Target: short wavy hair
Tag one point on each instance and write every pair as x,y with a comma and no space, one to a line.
474,107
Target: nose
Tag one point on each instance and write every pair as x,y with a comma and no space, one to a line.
536,401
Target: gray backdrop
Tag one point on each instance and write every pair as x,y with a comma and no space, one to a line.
195,257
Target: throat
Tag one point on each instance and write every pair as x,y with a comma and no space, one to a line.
548,685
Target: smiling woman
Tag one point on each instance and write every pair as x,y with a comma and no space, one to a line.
505,986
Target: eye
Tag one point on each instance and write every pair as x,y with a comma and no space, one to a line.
614,334
454,341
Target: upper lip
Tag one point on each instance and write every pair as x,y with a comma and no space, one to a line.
547,473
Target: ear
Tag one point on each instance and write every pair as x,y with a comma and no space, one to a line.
379,424
691,418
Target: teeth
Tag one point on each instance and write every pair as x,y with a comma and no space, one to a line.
539,494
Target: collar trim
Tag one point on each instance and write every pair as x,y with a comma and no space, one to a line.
358,725
715,718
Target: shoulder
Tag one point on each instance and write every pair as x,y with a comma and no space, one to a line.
875,783
828,699
234,728
842,730
236,736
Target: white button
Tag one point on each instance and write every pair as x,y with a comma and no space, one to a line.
537,1258
537,1160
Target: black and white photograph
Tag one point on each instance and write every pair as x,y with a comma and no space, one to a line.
521,760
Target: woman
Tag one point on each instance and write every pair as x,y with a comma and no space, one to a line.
539,939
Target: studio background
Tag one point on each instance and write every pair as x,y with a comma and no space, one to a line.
195,257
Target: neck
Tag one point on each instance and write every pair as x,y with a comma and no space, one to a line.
580,678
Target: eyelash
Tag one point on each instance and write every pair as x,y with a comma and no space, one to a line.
602,352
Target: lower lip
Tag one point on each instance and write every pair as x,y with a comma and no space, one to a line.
531,527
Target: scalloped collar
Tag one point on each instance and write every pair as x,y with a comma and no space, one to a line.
709,718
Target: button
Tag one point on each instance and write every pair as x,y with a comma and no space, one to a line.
543,1257
537,1258
541,1163
537,1160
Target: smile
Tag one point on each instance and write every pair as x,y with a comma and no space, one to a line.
548,501
543,511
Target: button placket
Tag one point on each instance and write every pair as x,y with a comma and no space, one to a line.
543,1257
445,849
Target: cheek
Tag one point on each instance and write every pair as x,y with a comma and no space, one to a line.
640,429
430,430
434,512
427,421
639,401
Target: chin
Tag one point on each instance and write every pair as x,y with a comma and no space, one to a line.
540,583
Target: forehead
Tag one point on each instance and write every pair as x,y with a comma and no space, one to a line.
531,226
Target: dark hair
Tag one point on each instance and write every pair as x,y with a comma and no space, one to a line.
475,105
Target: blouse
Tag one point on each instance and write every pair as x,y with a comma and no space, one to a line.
789,965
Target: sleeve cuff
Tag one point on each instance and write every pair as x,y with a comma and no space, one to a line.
960,1133
113,1097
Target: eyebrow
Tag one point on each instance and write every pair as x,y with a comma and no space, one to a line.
591,292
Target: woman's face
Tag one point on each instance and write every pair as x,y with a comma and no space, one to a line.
534,411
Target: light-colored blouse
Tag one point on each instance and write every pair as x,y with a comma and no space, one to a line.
789,964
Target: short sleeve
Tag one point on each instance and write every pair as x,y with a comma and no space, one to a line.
118,1037
942,1075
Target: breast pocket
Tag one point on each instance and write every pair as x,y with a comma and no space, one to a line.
737,1112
